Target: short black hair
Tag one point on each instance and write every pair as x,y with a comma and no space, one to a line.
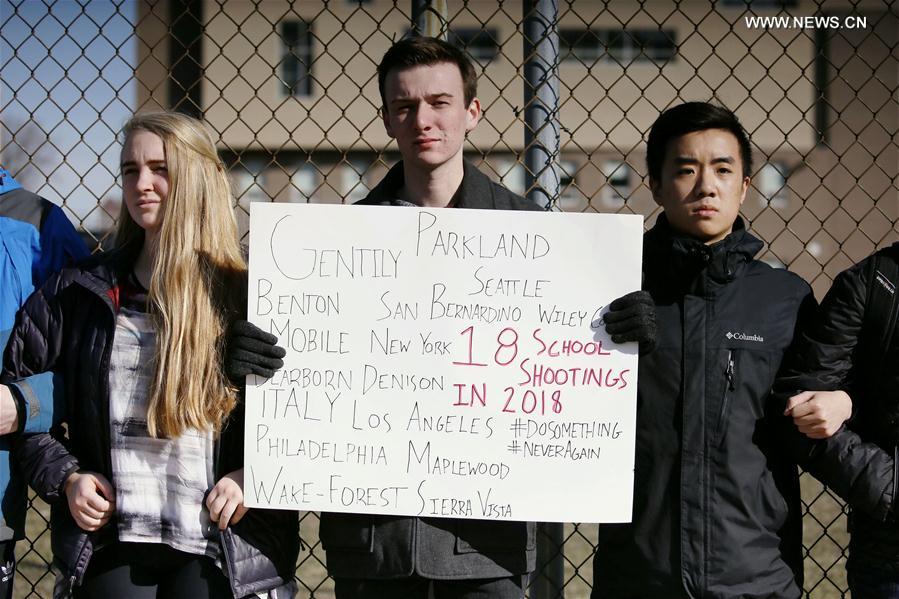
688,118
417,51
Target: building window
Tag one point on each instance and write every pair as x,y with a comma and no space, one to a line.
580,44
352,180
618,45
303,183
480,44
247,183
296,59
568,178
650,44
247,180
511,174
772,184
619,183
571,198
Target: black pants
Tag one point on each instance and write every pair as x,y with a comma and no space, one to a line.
151,571
7,568
415,587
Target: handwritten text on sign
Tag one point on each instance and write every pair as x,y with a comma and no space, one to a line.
442,362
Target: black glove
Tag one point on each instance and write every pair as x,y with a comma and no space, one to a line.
632,317
250,350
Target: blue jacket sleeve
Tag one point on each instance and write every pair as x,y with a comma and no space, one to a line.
33,349
60,246
40,399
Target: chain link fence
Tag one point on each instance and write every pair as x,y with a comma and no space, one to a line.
290,90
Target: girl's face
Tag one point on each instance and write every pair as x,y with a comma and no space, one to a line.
145,178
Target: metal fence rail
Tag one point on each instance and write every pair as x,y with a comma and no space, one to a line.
569,90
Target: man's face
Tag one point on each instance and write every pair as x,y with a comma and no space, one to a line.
426,113
702,184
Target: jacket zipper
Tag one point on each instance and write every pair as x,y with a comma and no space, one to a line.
895,475
80,568
104,380
228,561
104,368
729,374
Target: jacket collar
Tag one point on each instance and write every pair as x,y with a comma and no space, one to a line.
693,265
476,190
101,273
7,183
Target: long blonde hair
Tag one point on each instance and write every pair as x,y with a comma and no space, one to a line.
195,288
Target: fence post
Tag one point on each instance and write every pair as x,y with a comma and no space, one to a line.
541,101
429,18
541,143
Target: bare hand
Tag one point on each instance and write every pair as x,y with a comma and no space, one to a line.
819,414
9,411
225,500
91,499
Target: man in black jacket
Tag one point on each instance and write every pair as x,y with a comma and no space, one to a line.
429,104
852,344
716,501
428,93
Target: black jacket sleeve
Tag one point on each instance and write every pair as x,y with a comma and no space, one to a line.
859,471
34,347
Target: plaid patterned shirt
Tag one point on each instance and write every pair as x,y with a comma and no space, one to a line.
160,483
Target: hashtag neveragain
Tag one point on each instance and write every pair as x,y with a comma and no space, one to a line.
806,22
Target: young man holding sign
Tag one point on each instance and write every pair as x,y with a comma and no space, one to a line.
428,92
716,502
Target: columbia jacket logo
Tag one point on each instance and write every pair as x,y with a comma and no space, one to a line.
745,337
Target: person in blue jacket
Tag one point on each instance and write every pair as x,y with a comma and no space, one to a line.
36,240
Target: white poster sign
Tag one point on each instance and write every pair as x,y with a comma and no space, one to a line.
442,362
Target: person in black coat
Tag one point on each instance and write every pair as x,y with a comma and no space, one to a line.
716,499
429,104
851,344
145,482
428,93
